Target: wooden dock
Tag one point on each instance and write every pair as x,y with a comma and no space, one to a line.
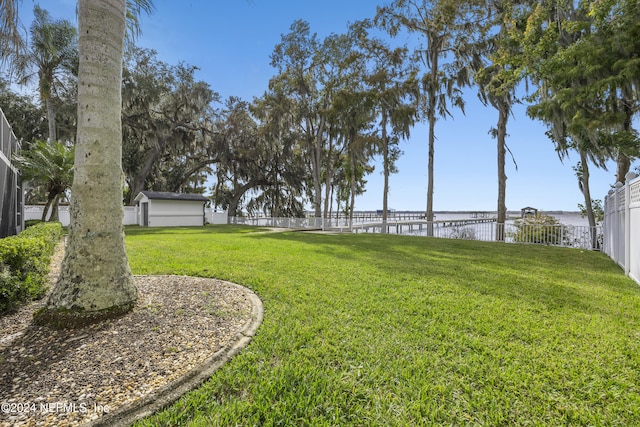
409,226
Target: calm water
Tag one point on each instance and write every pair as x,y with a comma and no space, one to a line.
566,218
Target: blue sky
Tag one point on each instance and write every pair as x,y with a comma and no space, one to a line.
231,42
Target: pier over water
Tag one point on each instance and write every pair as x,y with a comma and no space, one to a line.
407,226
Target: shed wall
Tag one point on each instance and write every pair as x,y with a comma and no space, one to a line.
171,213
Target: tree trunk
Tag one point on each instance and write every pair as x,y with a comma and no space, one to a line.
315,144
327,180
188,174
52,204
47,206
238,192
353,189
586,191
432,123
95,282
140,179
333,190
385,161
55,206
317,185
503,116
433,103
216,191
51,119
623,162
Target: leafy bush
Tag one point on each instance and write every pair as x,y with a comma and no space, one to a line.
598,210
24,264
31,222
542,229
50,232
461,232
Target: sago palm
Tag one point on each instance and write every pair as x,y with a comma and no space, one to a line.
49,166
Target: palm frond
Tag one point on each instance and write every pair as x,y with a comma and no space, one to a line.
134,9
12,40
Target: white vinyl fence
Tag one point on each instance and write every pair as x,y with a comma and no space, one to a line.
35,212
485,229
622,225
571,236
131,215
215,217
293,223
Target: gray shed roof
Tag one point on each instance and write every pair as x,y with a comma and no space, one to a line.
163,195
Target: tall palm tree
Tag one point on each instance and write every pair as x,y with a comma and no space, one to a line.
95,281
52,50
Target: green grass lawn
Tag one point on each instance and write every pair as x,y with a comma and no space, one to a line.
374,330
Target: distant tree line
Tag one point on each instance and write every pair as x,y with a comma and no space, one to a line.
336,105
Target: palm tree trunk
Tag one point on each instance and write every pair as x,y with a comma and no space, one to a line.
95,281
47,206
55,206
51,119
45,211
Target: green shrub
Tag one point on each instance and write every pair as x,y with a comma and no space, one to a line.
31,222
50,232
541,229
24,264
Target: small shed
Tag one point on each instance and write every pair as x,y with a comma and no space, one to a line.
164,209
528,211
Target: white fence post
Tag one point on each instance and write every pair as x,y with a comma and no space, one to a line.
634,226
627,222
615,227
609,224
622,225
